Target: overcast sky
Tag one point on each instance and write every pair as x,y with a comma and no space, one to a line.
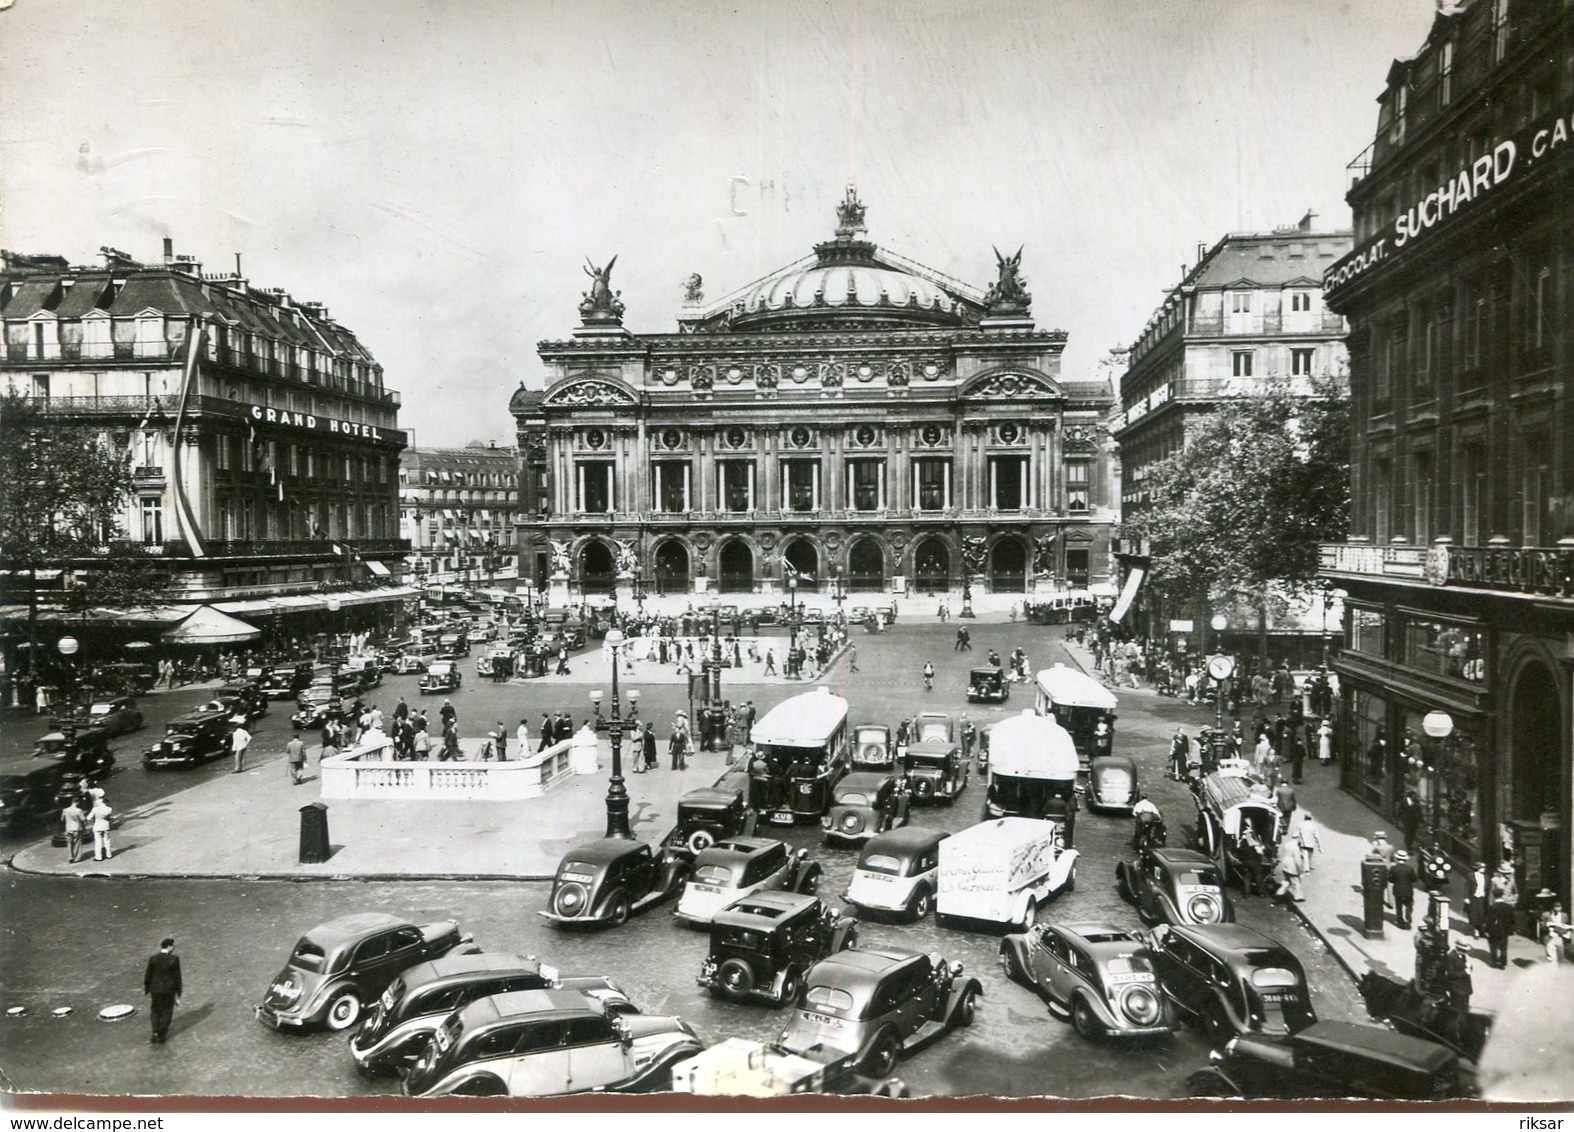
436,173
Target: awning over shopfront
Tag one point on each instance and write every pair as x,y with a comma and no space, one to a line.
208,626
377,568
243,608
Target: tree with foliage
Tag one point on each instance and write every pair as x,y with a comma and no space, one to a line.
1241,509
63,493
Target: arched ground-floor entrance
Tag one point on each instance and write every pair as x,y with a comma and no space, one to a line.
1536,778
866,566
931,565
597,570
1008,566
672,568
802,556
735,567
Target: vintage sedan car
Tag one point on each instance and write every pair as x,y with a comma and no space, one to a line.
440,677
1112,784
1333,1059
399,1024
738,866
863,805
874,749
897,872
1232,980
84,753
454,644
408,664
243,696
1176,886
127,678
937,770
338,967
115,714
186,748
1099,976
287,681
542,1043
762,946
932,727
869,1007
706,816
601,883
29,790
987,685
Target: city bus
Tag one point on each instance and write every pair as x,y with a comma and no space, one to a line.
1080,704
1032,771
801,751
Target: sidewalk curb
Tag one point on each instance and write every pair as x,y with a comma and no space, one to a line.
306,878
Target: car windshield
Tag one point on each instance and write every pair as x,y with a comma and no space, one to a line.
1114,778
309,955
832,1000
882,863
713,874
1269,978
1130,965
932,732
853,798
1199,876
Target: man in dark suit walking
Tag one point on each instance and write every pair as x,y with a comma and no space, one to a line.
1402,876
162,981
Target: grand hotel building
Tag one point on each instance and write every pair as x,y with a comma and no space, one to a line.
1460,572
852,418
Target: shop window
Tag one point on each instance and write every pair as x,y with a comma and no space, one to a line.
1366,632
1367,771
1445,649
1442,772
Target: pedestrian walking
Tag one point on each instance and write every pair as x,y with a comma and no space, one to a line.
1555,929
1180,755
676,744
547,734
240,739
1460,986
74,819
161,982
770,662
1410,813
99,816
562,660
1325,742
648,747
1476,903
1284,798
1504,895
448,714
420,746
522,737
451,751
502,742
1402,879
852,658
1297,759
1311,839
1290,867
295,757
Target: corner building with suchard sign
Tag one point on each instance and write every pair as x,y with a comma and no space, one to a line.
1460,574
262,443
853,420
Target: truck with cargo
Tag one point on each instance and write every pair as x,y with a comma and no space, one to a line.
1000,871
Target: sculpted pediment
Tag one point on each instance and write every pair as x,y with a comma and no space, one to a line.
593,393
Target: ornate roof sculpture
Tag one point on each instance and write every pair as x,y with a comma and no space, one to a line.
848,283
601,304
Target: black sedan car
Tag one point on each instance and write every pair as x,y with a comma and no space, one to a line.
762,946
1232,980
338,967
186,749
1176,886
601,883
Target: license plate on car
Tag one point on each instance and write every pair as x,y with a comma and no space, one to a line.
823,1020
781,817
707,888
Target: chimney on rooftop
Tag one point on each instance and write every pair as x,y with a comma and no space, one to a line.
169,251
1202,250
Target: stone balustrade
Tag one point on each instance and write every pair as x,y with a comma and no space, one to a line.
370,772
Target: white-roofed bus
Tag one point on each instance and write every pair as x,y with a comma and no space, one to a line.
801,750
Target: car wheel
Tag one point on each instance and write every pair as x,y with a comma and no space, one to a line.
966,1009
618,910
1121,884
735,979
343,1011
920,905
790,988
1071,880
850,941
700,840
1083,1019
881,1058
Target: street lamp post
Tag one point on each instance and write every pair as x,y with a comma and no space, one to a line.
967,593
1438,725
789,669
617,790
68,649
1221,668
838,590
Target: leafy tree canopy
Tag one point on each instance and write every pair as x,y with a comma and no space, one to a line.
1243,506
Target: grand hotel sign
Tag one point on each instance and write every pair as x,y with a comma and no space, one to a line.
1537,571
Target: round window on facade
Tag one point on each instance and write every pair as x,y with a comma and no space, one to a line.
864,436
736,438
799,437
931,434
1009,433
595,438
671,438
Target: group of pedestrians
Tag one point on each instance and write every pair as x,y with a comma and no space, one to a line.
89,812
